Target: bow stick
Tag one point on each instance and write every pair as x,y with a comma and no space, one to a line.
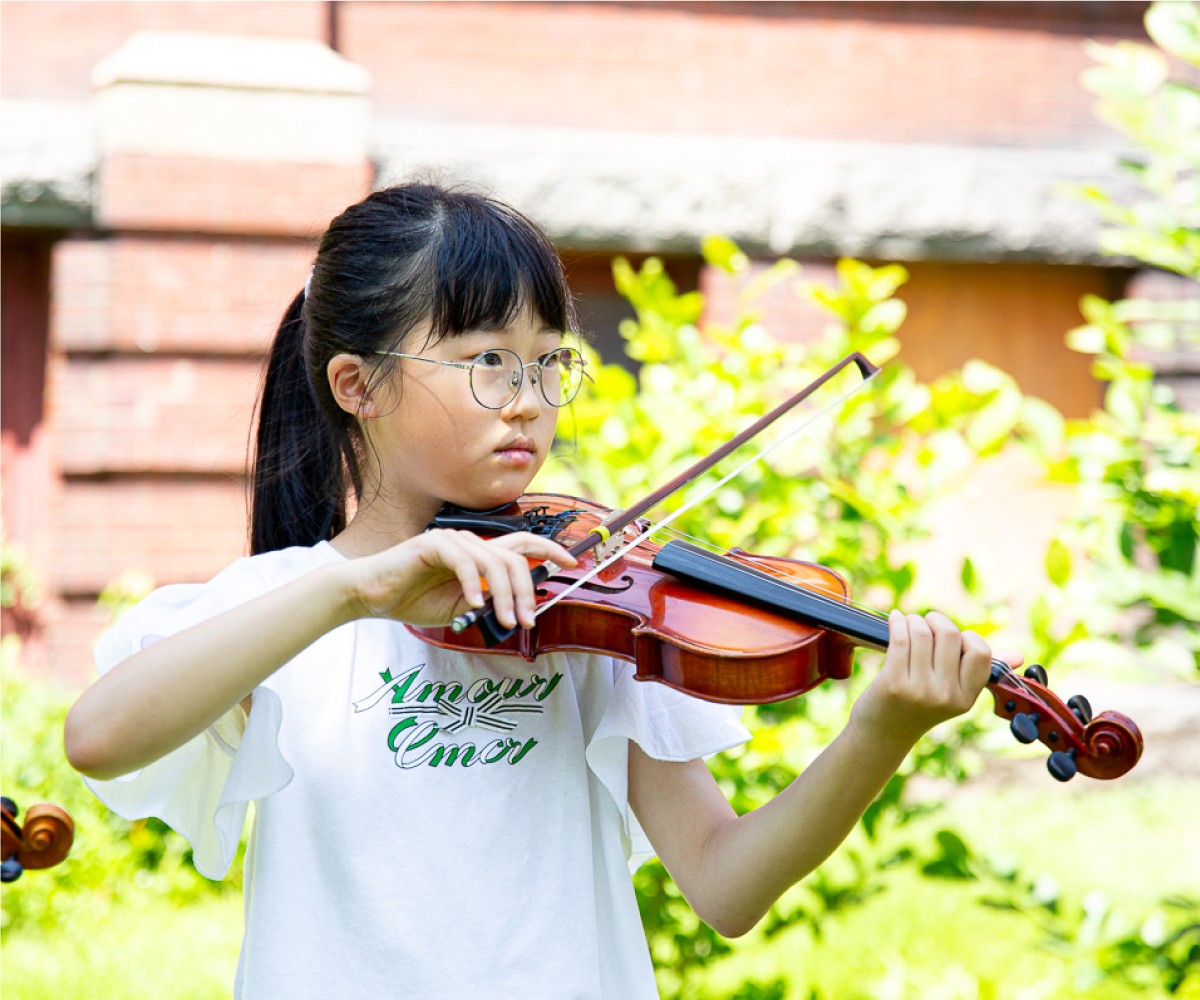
618,520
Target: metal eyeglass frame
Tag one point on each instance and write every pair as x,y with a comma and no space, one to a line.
537,380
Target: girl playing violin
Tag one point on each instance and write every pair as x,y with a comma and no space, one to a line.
429,822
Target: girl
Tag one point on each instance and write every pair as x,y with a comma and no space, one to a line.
432,823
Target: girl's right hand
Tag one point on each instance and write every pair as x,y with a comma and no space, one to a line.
439,574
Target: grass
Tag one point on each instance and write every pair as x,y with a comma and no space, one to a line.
921,940
130,948
924,939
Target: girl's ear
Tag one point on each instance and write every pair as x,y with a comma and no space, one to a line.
349,381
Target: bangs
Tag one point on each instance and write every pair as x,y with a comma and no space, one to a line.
490,265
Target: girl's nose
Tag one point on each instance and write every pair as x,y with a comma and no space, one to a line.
528,401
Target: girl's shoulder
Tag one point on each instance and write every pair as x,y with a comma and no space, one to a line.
267,570
171,608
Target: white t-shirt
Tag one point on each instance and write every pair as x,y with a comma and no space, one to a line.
428,823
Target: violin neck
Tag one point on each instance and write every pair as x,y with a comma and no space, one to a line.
746,583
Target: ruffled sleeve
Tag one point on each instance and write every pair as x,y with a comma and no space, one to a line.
201,789
667,725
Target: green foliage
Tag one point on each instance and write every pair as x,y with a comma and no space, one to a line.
1126,569
1161,949
107,851
19,586
843,494
1160,116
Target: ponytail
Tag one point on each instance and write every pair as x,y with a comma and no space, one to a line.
298,487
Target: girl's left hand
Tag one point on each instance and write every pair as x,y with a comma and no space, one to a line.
931,673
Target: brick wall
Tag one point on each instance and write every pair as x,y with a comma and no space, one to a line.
157,343
160,317
1004,73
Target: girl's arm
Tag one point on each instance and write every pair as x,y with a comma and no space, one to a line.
732,868
161,697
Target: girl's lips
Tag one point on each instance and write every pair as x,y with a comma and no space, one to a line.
520,452
516,456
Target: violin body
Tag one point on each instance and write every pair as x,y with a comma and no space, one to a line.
673,632
739,628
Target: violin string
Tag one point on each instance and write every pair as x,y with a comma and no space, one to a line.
818,594
822,595
745,559
602,564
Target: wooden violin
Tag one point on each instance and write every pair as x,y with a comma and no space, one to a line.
735,627
43,841
740,628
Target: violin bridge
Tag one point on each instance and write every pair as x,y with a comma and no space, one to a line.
607,547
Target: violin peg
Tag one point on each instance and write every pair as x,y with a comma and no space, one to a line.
10,870
8,807
1061,765
1024,727
1081,708
1036,672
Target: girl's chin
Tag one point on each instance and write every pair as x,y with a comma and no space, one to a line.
486,500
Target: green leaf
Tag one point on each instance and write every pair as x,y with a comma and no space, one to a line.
967,575
1086,339
1175,27
1127,70
1044,424
1058,563
722,252
995,422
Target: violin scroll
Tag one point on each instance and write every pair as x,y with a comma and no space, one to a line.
1105,747
43,842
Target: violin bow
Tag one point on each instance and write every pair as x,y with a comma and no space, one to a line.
618,520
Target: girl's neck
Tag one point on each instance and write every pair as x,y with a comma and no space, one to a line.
377,526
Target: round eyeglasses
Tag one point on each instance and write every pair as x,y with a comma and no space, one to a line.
496,376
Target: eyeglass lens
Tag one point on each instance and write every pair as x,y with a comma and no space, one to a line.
496,376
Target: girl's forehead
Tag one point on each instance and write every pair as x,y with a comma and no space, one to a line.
423,337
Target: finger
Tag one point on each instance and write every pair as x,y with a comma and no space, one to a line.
516,550
538,548
976,668
474,563
520,581
947,644
899,643
475,566
450,553
920,657
502,570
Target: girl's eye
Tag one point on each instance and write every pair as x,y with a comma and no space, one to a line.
490,359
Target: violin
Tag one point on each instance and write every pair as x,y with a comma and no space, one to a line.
742,629
736,627
43,842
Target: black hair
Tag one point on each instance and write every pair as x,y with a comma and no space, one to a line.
402,256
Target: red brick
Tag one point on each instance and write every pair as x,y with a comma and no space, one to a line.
177,415
172,293
172,530
74,625
49,49
884,71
